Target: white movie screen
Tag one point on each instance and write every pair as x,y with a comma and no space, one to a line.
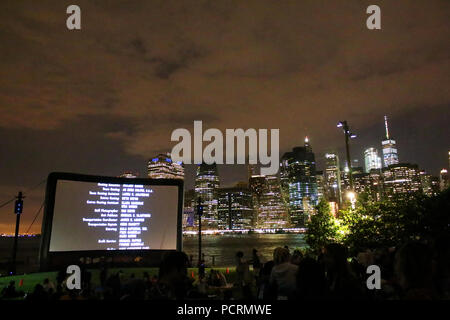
111,216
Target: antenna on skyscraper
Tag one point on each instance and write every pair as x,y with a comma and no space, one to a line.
387,129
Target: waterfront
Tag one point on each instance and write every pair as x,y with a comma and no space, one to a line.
222,247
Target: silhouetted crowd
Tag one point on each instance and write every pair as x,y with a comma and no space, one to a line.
413,271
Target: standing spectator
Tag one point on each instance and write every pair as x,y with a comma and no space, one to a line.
283,275
264,292
243,280
297,256
256,263
341,283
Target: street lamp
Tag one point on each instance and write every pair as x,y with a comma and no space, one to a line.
348,135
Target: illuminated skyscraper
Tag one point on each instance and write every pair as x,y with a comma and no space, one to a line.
162,167
390,155
271,211
359,179
376,184
371,159
428,182
320,180
235,209
256,185
189,221
443,179
298,179
332,177
206,187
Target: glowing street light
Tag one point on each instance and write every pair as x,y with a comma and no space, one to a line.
352,197
348,135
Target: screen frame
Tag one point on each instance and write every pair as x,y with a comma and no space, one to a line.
50,260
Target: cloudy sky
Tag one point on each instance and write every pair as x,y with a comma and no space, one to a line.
105,99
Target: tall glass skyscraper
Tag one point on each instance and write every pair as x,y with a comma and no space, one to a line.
298,179
271,211
235,208
390,155
371,159
206,187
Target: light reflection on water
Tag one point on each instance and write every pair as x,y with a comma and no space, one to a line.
224,247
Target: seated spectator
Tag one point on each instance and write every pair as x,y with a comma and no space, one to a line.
48,285
10,290
133,289
216,279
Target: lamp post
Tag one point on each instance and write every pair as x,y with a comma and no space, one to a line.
348,136
200,213
18,208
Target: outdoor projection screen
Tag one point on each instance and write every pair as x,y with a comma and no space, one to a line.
92,213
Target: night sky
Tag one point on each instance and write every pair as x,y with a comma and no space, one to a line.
105,99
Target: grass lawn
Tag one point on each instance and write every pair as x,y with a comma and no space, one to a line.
31,279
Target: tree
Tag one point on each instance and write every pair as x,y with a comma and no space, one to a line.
322,228
392,222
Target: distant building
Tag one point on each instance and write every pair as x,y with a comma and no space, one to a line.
443,179
401,179
162,167
129,174
390,155
257,186
235,208
271,211
320,180
189,221
357,174
430,184
375,184
369,183
206,187
360,179
332,178
298,180
371,159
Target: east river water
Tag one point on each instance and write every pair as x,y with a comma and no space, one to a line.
224,247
